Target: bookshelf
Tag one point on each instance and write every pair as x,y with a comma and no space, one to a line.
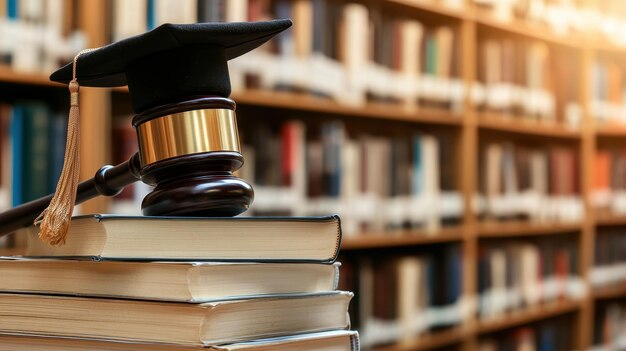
469,128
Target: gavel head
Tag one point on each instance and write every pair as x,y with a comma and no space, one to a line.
189,151
177,76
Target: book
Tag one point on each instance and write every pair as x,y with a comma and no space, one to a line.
165,281
36,154
17,154
177,323
108,237
340,340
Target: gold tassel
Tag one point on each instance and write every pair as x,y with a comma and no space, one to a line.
54,221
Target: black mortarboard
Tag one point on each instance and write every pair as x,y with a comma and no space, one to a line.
171,62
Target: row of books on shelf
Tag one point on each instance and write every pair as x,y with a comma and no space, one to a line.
37,36
516,274
610,327
552,334
405,61
129,18
326,52
608,92
374,182
518,79
609,181
32,151
253,289
609,257
379,183
606,19
403,296
539,183
355,53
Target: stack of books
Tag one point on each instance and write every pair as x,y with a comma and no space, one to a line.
154,283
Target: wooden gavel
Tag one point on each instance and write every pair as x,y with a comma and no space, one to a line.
188,150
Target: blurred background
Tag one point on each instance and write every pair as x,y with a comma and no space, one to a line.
475,150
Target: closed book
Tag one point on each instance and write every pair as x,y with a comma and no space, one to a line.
17,154
337,340
165,281
102,237
206,324
36,138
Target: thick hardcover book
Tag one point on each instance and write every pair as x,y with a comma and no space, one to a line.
337,340
277,239
206,324
165,281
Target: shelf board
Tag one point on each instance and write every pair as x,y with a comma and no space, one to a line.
521,228
526,316
434,8
8,75
520,125
428,341
617,290
524,28
608,219
615,130
310,103
604,44
400,238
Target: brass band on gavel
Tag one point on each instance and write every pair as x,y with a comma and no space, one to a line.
186,133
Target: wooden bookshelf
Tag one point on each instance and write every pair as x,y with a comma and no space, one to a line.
433,8
610,292
470,125
612,132
521,28
308,103
608,219
526,126
528,315
523,126
520,228
8,75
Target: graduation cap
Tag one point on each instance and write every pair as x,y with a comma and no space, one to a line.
177,76
171,62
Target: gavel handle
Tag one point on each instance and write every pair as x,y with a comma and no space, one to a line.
108,181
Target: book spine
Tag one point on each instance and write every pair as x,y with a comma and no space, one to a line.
12,9
17,159
36,145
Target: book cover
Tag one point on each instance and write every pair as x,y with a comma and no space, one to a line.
272,239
